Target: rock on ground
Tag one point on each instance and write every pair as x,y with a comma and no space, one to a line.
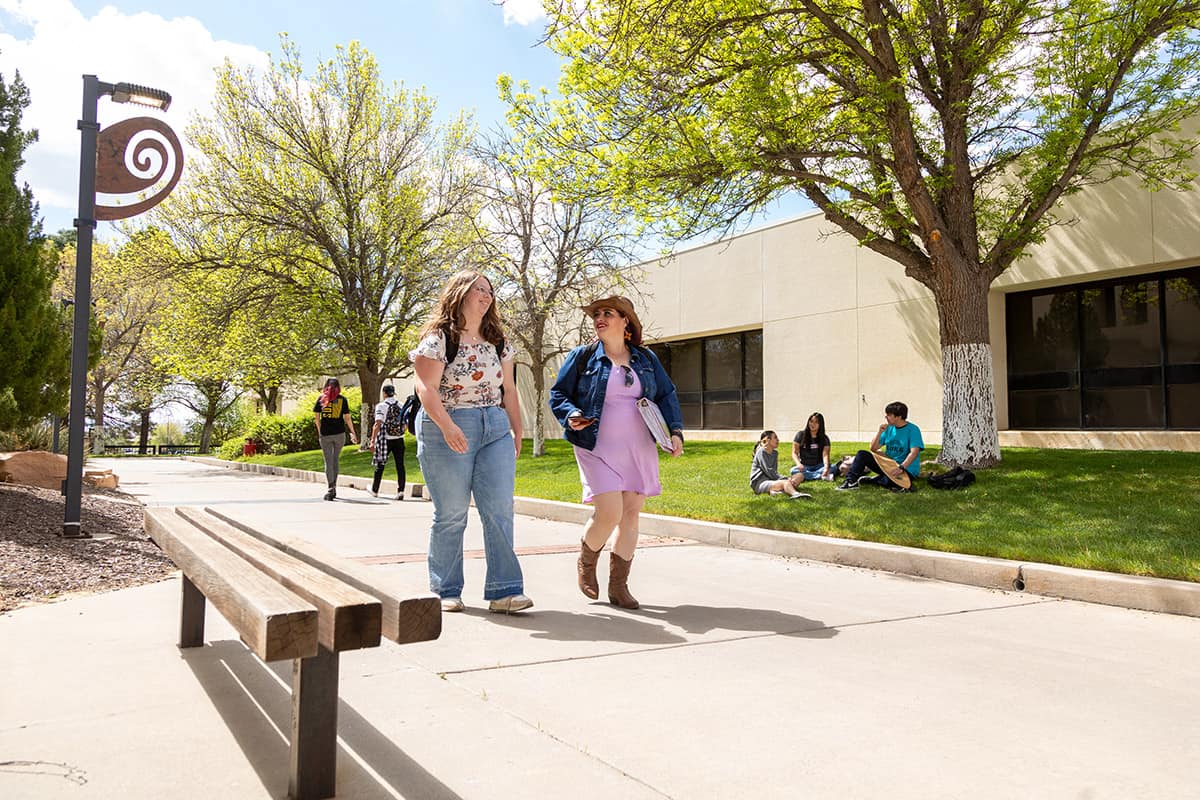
34,468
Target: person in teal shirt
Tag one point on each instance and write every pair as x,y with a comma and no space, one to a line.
899,440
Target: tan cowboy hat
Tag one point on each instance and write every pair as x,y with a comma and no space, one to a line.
889,465
624,306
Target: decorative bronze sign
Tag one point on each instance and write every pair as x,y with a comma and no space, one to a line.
134,157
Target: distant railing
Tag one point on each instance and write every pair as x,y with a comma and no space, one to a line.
152,450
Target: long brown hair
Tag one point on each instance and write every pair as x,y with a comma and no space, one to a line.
447,316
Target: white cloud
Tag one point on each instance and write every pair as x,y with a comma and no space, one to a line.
53,45
523,12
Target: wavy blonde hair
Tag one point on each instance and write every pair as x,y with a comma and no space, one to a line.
447,316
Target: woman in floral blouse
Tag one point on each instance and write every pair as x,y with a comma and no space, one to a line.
468,438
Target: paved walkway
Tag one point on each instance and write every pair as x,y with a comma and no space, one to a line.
743,675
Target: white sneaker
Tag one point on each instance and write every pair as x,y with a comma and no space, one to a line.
452,604
511,604
373,493
399,495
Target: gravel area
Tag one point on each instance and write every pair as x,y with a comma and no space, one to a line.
38,565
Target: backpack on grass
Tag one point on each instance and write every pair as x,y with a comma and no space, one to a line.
957,478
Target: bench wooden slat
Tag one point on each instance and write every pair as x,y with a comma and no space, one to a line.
273,622
406,618
349,618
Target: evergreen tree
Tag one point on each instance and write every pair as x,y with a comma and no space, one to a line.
34,338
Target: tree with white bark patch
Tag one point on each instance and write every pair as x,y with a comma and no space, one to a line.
941,135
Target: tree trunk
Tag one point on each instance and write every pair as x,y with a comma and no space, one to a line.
206,431
969,435
143,430
371,382
539,411
99,437
269,395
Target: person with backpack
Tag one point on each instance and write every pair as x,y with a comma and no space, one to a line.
387,439
331,413
595,399
468,439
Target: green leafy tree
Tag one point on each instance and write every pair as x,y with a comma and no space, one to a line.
337,187
941,135
547,256
126,303
214,401
34,331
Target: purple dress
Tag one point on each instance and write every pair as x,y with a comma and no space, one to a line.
625,458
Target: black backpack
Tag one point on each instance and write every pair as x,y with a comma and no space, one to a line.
408,412
957,478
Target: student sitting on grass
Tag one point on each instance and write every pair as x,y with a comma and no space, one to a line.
810,451
764,469
901,442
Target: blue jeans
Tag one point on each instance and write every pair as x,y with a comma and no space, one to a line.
487,470
811,473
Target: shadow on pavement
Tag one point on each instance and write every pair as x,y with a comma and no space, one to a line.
645,626
257,710
564,626
702,619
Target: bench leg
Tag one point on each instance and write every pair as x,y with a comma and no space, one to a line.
191,616
312,774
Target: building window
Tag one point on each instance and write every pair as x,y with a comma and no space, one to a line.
1121,354
718,379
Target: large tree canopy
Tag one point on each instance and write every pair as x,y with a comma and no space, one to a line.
938,134
34,345
337,187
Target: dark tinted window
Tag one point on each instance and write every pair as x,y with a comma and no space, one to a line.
718,379
1116,354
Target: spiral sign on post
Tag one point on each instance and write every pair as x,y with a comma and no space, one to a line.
138,163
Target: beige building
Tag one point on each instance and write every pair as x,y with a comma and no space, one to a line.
1095,333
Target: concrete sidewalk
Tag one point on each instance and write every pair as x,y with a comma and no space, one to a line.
744,674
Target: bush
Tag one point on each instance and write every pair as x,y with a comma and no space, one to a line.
292,433
32,436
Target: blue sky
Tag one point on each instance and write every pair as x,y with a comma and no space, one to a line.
454,48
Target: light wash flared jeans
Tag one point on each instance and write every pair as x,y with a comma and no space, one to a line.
487,470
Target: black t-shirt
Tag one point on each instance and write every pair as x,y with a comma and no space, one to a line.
811,456
331,415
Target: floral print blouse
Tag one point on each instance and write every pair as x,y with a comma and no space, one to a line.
475,377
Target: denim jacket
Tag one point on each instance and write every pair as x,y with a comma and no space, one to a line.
581,386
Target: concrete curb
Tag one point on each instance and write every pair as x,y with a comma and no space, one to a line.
1091,586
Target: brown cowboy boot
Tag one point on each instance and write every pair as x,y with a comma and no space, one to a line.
586,567
618,578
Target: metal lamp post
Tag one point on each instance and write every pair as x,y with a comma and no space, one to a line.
85,224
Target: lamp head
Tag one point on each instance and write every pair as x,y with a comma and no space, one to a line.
141,95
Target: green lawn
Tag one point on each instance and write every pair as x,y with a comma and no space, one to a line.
1135,513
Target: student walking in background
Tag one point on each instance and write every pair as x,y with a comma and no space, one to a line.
764,469
387,440
468,439
595,400
332,416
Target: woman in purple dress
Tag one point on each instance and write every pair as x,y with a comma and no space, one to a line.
595,400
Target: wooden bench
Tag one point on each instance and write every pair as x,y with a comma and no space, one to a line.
289,599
